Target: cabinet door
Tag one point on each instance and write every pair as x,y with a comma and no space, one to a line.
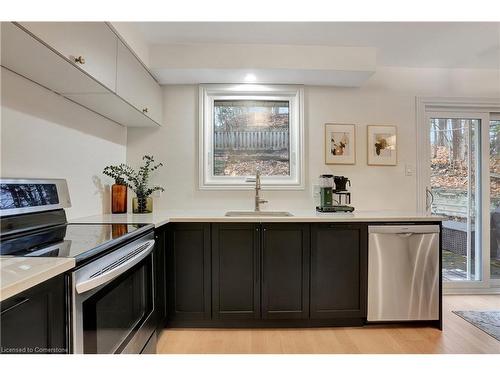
34,321
136,86
338,271
285,271
235,271
160,277
188,260
95,42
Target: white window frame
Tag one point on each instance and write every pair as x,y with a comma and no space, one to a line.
208,94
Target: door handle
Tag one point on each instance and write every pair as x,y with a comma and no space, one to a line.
428,193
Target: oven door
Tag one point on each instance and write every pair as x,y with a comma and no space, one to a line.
113,298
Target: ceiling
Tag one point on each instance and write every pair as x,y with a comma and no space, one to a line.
399,44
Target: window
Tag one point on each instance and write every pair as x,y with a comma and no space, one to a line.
245,128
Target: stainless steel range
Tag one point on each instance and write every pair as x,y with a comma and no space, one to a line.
111,290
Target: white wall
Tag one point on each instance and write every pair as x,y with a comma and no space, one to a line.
387,98
45,135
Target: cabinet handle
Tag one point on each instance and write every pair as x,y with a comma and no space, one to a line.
17,304
145,110
79,60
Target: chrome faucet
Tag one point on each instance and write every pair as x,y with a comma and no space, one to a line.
258,199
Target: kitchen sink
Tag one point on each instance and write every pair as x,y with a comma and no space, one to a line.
258,213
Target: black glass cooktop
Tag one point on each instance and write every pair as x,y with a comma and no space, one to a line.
79,241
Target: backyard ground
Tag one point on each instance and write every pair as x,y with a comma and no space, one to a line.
449,182
231,163
454,267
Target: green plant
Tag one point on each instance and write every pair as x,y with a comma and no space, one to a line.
138,180
116,172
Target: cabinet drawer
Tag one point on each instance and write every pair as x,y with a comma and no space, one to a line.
136,86
94,42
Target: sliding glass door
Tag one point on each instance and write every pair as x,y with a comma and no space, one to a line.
455,193
494,209
458,176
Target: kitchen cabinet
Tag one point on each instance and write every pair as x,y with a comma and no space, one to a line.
27,56
285,271
189,271
236,271
92,46
34,321
48,53
231,274
136,86
338,271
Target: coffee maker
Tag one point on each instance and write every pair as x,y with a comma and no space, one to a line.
334,196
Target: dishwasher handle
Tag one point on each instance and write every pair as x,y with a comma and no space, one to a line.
404,229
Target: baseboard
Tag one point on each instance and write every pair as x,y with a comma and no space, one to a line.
341,322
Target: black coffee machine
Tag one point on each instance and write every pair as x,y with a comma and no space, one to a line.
334,194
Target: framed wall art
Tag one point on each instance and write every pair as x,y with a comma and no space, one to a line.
382,145
340,144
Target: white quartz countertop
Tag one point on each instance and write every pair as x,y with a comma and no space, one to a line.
18,274
161,217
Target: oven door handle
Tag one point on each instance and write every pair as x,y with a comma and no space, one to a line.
103,278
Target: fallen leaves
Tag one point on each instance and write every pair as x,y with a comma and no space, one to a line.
453,174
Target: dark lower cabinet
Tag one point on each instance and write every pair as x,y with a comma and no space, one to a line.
34,321
338,271
235,271
270,274
188,271
285,271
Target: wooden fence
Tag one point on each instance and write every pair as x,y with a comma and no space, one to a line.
251,140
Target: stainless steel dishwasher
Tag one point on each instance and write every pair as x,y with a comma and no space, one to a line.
403,273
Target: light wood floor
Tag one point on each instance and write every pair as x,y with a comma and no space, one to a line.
458,336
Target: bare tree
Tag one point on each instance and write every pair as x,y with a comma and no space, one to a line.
456,139
441,124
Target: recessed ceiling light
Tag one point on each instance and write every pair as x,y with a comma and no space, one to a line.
249,77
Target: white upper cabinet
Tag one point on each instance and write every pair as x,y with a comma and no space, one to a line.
136,85
86,62
27,56
92,46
